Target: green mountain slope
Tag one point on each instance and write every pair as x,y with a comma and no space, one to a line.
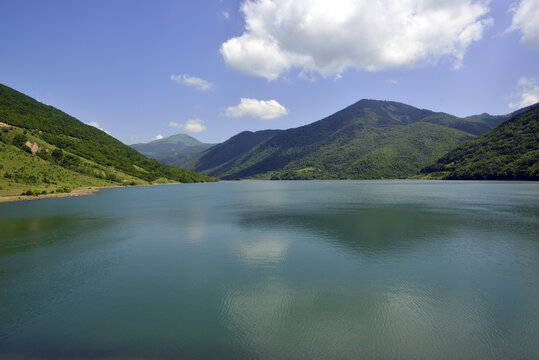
510,151
172,148
227,151
45,149
369,139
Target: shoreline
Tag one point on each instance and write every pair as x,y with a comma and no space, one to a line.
84,191
90,190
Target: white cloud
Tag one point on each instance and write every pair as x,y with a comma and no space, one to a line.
327,37
192,125
261,109
527,93
194,81
96,125
526,20
225,14
158,137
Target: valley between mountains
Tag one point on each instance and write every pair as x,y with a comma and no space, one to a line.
46,151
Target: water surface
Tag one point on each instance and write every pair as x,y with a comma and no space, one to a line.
274,270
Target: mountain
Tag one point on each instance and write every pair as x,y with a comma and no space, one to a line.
172,148
231,149
45,149
369,139
510,151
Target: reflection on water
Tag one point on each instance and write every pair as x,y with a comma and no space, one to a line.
261,250
23,234
375,229
296,270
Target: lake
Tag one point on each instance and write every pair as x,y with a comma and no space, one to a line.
274,270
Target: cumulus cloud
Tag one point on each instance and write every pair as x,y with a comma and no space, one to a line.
527,93
158,137
96,125
327,37
526,20
261,109
193,81
192,125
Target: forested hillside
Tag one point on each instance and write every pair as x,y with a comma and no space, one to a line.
369,139
508,152
45,149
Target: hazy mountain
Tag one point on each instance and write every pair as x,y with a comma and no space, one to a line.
509,151
172,148
369,139
44,148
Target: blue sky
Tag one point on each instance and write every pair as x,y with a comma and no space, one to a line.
139,69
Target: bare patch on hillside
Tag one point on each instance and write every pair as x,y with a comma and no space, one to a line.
33,146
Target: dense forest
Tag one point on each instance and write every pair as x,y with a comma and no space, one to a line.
508,152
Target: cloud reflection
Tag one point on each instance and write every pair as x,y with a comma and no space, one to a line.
268,249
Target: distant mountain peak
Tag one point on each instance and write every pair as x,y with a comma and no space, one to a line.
380,102
171,148
182,139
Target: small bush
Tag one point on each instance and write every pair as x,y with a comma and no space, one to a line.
19,141
57,154
43,154
64,189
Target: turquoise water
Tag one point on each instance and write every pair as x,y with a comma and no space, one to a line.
274,270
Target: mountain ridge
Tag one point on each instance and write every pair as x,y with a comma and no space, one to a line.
367,139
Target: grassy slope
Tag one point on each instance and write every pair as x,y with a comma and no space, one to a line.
20,170
85,155
509,151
